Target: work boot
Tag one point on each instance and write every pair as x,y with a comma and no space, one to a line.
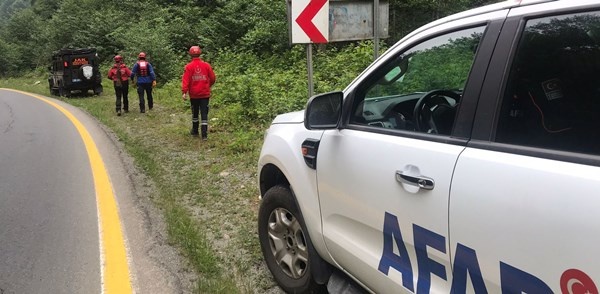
204,132
194,131
118,112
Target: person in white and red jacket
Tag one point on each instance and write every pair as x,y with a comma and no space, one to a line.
119,73
198,77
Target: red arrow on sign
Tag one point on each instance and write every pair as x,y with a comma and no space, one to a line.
305,18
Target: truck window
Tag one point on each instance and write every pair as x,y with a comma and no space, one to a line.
390,97
553,92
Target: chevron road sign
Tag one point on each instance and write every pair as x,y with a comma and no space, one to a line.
310,21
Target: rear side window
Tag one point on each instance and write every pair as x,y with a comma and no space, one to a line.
552,99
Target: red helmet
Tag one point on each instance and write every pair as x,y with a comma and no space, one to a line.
195,51
142,55
118,58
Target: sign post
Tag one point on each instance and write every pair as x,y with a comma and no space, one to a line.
309,66
376,29
310,24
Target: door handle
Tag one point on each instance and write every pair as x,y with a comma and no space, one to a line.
419,181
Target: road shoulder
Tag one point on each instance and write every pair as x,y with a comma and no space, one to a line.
155,266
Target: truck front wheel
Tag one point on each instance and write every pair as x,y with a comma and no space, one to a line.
285,243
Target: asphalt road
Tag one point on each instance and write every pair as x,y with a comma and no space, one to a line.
60,223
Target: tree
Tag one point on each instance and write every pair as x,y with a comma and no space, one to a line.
165,29
22,32
259,26
9,58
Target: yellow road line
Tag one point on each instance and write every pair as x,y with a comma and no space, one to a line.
113,255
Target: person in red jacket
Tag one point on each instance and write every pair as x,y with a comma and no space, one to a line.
198,77
119,73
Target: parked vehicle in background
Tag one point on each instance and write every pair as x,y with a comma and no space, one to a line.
466,159
75,70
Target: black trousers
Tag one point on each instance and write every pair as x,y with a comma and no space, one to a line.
199,106
141,88
122,91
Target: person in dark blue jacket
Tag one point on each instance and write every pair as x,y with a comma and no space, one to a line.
146,80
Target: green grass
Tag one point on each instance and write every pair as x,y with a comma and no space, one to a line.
207,190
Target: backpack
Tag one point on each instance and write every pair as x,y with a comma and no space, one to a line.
118,81
143,68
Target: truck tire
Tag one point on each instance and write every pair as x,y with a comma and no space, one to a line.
51,86
98,90
286,246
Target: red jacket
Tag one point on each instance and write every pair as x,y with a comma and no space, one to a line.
125,72
197,79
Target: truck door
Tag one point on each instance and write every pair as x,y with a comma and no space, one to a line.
384,177
524,199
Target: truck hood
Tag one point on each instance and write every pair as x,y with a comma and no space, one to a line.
291,117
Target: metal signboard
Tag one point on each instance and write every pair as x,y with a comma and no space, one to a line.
353,20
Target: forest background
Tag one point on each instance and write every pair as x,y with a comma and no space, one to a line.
246,41
207,191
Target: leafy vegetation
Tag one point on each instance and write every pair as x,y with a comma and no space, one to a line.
207,190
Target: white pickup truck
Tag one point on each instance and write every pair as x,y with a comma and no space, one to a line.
466,159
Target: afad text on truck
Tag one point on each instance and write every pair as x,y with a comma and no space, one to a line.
465,267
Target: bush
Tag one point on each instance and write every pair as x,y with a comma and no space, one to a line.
254,89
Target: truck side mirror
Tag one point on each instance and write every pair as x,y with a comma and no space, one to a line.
324,111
